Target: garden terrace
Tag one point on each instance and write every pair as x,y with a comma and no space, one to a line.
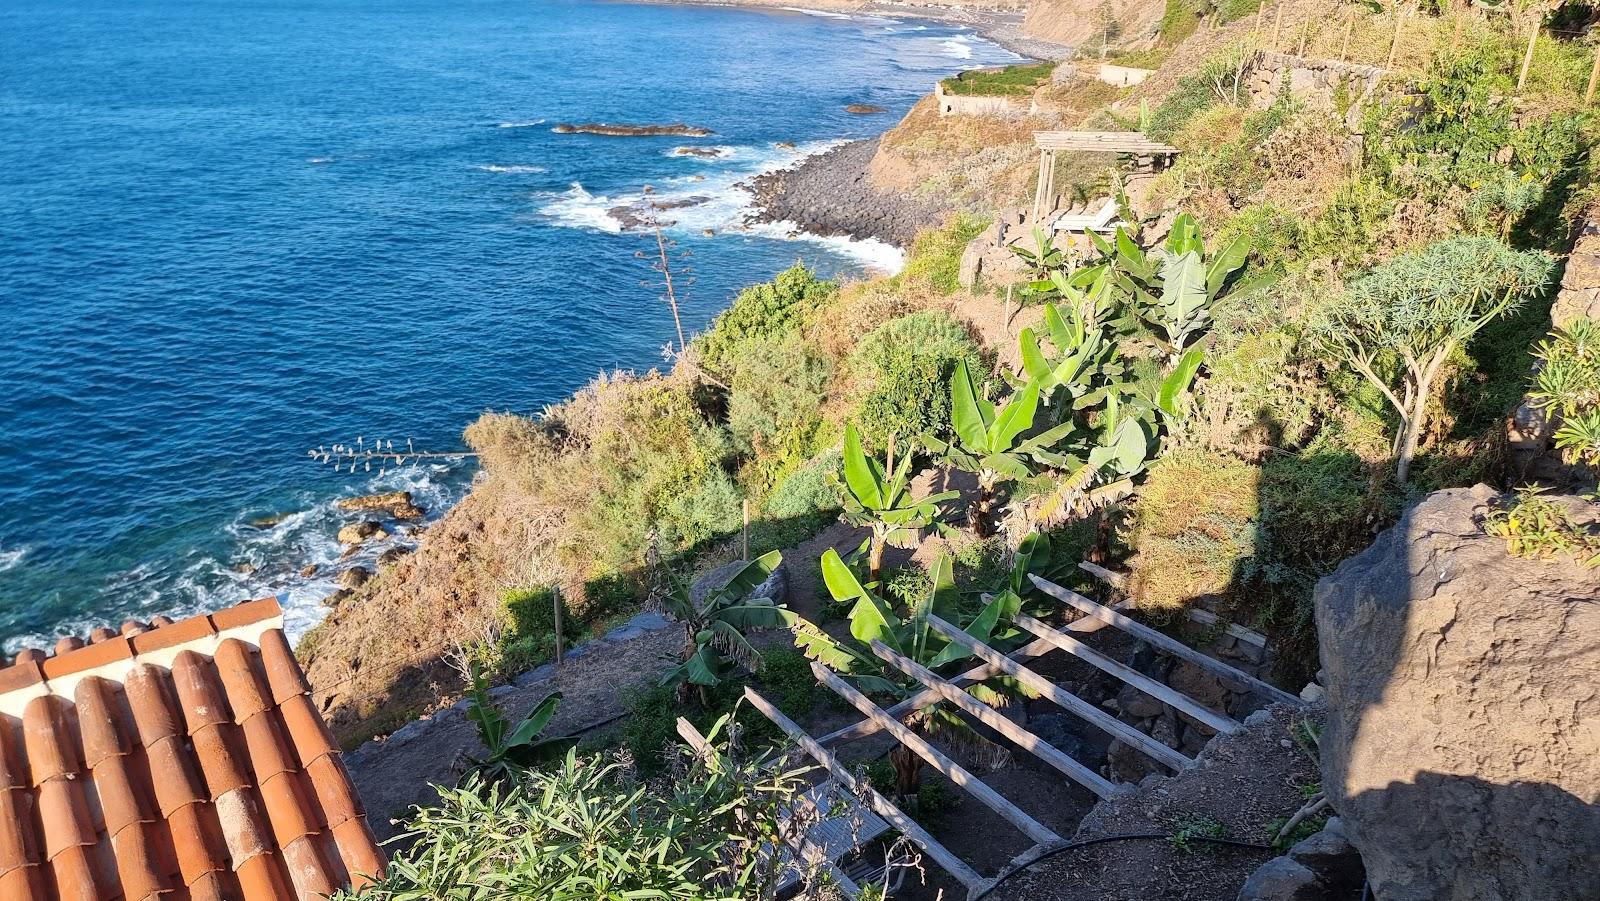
1020,666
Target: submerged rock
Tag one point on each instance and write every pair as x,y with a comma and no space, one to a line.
698,151
355,577
865,109
632,131
645,214
395,504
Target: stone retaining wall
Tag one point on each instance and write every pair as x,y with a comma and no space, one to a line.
972,105
1325,83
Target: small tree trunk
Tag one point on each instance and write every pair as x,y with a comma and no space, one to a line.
907,772
978,514
875,556
1408,445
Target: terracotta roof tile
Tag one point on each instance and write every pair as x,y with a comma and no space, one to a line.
160,764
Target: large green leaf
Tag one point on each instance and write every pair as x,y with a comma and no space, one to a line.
752,616
1229,258
1183,294
970,414
1000,609
1033,361
750,576
1016,418
860,475
534,723
1178,381
841,582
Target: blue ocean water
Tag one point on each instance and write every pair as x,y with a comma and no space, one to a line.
232,230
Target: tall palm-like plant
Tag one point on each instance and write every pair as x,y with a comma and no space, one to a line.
989,442
714,627
875,496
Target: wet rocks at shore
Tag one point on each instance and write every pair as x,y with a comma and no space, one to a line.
647,213
704,152
632,131
360,532
829,194
393,504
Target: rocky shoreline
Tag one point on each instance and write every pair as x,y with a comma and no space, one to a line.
829,195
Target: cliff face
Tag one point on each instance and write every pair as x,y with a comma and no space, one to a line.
1079,22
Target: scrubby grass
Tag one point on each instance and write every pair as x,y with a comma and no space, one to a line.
1011,81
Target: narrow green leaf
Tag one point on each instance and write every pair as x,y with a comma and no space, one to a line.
970,414
859,475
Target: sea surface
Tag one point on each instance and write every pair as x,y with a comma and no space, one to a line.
234,230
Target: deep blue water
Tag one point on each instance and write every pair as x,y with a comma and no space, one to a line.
231,230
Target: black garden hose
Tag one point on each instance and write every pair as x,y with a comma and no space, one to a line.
1117,838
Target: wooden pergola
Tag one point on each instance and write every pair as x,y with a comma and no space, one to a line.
1051,143
936,689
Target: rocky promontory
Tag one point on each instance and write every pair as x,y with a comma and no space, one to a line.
632,131
830,194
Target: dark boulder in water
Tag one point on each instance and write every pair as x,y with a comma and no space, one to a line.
865,109
631,131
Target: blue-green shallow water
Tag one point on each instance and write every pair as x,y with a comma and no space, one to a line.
234,229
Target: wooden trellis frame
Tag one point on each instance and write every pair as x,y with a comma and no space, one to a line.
936,688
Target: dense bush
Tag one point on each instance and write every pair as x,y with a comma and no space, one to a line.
762,311
531,639
1011,81
904,369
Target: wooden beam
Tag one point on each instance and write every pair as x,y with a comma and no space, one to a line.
1063,698
804,850
1149,686
997,721
882,806
1165,643
1203,617
951,770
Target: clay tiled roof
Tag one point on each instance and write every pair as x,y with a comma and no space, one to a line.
177,761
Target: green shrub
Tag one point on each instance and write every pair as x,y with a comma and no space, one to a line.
905,367
1191,96
935,258
774,408
807,490
611,593
763,311
1011,81
531,640
711,509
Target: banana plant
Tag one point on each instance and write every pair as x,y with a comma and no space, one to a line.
509,748
1083,354
714,627
874,619
989,442
876,497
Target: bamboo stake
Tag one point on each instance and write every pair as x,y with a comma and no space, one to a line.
1349,26
1305,36
955,772
1256,28
1277,26
555,593
1594,76
1394,44
1527,58
746,530
882,806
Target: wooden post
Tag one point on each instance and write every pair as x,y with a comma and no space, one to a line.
1277,26
1260,8
955,772
1527,57
880,805
1007,311
1305,36
1163,642
555,594
746,532
1062,698
1394,44
1349,26
1157,690
1594,76
992,718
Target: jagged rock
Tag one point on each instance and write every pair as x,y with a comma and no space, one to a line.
1282,879
394,504
244,568
268,521
338,597
358,532
772,589
1464,691
1137,704
354,577
393,555
1329,854
1312,693
308,571
865,109
631,131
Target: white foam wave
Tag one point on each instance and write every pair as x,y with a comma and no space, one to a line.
513,169
12,559
875,256
527,124
819,13
959,46
723,152
577,208
319,159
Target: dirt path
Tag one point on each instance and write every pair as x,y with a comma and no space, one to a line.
399,772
